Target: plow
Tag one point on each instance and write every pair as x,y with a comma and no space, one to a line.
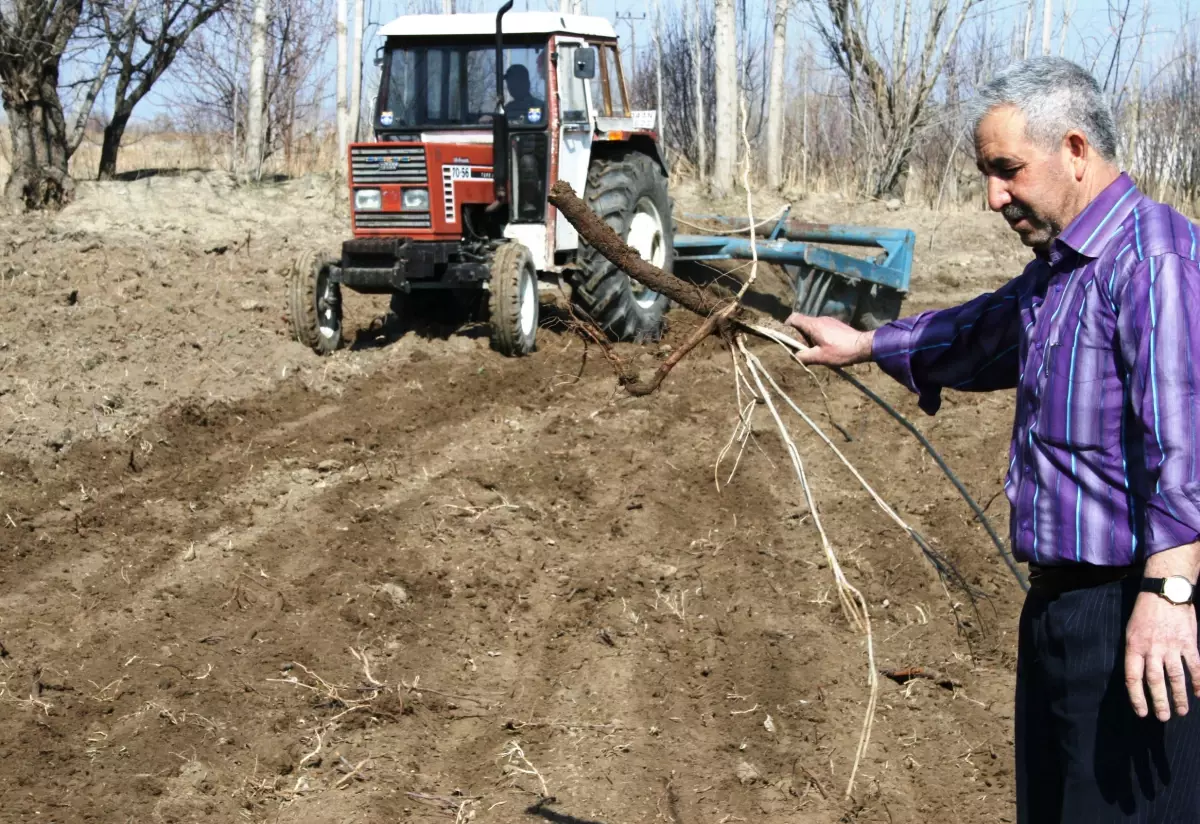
863,291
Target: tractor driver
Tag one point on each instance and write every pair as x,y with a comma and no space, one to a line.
523,108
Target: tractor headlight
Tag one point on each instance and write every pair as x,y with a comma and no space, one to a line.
415,200
367,200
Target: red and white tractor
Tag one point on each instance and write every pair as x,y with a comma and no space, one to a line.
477,116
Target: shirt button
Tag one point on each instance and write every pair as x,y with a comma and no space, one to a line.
1038,346
1058,287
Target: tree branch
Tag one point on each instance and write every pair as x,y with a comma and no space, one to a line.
718,310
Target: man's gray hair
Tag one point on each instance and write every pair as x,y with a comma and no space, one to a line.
1055,96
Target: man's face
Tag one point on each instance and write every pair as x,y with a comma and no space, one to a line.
1031,187
517,79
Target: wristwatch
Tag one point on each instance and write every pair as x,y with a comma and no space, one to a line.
1177,589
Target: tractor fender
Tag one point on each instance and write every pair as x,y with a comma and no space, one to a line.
642,143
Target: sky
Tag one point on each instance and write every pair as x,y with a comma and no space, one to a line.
1089,30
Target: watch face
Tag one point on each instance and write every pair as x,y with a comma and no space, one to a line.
1177,590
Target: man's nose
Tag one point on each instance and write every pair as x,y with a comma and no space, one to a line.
997,194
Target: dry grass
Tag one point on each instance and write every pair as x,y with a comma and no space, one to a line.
145,149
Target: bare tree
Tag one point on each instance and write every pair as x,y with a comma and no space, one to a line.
257,99
343,50
889,109
356,70
214,84
83,109
698,72
142,53
726,143
1066,24
33,36
776,117
1028,31
1047,24
658,82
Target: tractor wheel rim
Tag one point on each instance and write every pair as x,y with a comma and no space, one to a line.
327,321
646,236
527,297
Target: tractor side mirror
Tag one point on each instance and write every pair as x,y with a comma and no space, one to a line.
585,63
379,56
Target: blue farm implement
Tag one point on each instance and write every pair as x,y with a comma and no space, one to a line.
865,291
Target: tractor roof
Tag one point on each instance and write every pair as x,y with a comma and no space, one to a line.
517,22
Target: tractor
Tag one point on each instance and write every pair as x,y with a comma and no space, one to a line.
477,115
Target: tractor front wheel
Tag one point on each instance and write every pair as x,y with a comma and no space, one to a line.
629,192
315,304
513,300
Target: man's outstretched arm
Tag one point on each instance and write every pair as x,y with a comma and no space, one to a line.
973,347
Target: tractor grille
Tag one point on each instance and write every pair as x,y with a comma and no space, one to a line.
392,220
388,164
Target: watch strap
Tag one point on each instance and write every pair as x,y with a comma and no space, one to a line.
1158,587
1154,585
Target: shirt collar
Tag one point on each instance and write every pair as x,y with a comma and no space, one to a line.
1091,230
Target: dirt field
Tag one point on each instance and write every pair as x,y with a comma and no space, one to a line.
420,582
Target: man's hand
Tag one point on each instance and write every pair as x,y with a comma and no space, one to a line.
1160,638
833,343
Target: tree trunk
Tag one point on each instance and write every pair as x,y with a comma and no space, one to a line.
343,119
725,46
698,69
256,105
658,80
1062,35
1028,31
38,129
775,111
360,12
111,147
1047,24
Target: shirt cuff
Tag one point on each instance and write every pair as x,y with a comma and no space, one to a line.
891,348
1173,518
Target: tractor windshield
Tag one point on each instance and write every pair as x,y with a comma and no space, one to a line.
455,86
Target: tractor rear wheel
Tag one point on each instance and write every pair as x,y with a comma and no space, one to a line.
629,193
513,300
315,304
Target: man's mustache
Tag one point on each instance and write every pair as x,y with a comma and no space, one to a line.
1015,211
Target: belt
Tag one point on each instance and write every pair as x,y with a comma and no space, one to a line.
1056,579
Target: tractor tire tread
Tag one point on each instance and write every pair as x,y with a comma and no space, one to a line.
504,300
302,305
614,185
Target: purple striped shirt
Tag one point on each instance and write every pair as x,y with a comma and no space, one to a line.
1099,337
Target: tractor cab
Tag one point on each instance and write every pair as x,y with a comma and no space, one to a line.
477,115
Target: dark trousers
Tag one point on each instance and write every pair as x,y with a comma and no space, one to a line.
1083,757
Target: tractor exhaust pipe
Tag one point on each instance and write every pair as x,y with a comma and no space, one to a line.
500,120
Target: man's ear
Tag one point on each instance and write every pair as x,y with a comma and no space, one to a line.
1078,152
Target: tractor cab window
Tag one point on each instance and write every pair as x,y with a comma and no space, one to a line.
616,88
608,92
455,86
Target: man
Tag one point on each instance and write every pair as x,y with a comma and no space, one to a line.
523,107
1100,336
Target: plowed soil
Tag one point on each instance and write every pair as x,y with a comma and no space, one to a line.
416,581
